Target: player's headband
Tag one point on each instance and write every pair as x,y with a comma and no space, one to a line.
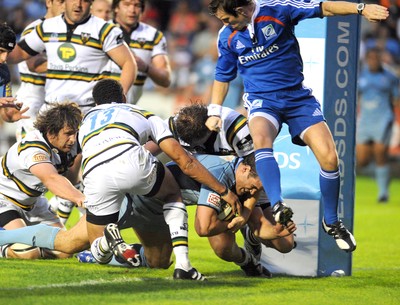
9,46
7,38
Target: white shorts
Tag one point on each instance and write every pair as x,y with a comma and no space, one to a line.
41,212
135,171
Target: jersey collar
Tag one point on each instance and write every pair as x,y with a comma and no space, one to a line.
250,26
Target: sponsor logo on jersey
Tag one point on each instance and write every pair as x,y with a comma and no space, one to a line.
85,37
259,52
66,52
53,37
268,31
141,41
214,199
239,45
256,103
40,157
317,112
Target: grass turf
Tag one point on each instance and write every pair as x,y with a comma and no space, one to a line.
375,279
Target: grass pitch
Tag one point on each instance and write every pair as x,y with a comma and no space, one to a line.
375,279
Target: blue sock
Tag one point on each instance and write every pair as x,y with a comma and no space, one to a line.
39,235
382,176
329,182
269,173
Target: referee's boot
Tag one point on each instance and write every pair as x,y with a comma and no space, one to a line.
282,213
344,239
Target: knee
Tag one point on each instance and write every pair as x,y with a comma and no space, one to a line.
330,161
22,251
223,253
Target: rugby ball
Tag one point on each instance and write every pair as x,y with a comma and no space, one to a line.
226,212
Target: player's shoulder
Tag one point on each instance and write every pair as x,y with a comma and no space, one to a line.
225,33
147,27
53,21
34,140
31,26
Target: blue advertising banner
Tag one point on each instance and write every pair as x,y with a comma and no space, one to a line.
342,50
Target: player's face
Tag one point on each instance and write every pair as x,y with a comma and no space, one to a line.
56,7
3,55
77,10
128,13
237,23
64,140
101,9
374,61
246,183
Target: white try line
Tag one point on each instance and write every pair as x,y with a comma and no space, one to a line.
89,283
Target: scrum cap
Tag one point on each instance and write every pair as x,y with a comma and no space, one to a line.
7,37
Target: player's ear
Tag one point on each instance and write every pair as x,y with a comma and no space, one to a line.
240,11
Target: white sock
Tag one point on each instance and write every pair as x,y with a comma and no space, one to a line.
175,216
101,251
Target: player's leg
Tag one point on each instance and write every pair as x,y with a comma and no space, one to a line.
381,155
16,249
263,133
175,215
382,170
364,153
14,219
157,247
264,129
226,248
319,138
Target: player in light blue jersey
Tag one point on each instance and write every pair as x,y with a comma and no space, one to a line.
10,111
258,42
378,92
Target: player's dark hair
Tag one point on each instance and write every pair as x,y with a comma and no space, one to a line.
115,3
250,160
229,6
190,123
7,37
107,91
55,118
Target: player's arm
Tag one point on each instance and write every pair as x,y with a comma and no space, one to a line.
123,57
239,221
194,169
219,91
372,12
153,148
37,64
159,70
264,226
207,223
17,55
57,184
